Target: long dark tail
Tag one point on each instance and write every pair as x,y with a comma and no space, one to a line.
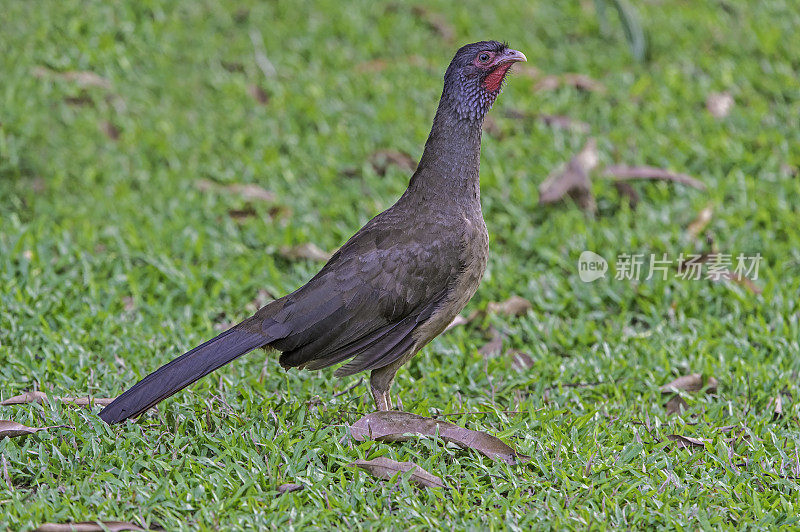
181,372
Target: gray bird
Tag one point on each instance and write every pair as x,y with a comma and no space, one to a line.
397,283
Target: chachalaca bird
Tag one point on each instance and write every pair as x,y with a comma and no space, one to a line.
397,283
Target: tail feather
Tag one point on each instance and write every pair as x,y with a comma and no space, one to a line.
181,372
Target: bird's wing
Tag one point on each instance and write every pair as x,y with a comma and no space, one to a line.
367,301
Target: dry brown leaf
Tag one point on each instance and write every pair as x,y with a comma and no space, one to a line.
626,190
564,122
436,21
690,383
387,468
289,487
513,306
259,94
687,442
81,78
776,405
12,429
88,526
719,104
242,214
82,99
675,405
578,81
494,346
41,398
743,281
248,191
381,160
701,221
110,130
573,180
401,426
520,360
623,173
306,251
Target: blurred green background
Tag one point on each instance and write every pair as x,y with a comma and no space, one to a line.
117,254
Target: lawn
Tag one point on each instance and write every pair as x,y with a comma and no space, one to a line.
127,133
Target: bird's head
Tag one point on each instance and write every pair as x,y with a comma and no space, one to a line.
475,77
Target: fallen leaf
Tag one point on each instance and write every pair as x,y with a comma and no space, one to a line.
381,160
289,487
520,360
82,99
623,173
625,189
110,130
88,526
248,191
259,94
513,306
719,104
688,442
700,222
573,180
306,251
675,405
494,346
690,383
12,429
81,78
776,405
436,21
41,398
243,213
232,66
578,81
743,281
402,426
387,468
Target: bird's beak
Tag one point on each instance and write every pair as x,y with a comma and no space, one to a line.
512,56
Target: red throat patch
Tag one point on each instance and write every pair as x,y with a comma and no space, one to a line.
492,82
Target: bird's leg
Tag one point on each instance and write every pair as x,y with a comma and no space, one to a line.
380,382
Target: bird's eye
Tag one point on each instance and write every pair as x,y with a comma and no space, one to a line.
484,57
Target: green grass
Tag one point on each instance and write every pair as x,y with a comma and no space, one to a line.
113,261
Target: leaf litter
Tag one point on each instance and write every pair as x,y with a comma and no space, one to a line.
41,398
573,180
386,468
686,383
393,426
626,173
12,429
